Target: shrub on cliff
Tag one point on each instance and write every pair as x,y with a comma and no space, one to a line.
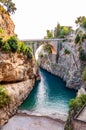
13,43
47,48
4,97
82,55
21,47
28,52
77,103
1,42
67,51
6,47
74,106
77,39
84,23
84,74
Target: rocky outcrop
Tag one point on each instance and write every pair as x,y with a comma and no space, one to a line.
6,23
67,67
19,75
82,90
16,67
18,93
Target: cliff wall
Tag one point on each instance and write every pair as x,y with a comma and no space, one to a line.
67,67
6,23
18,73
17,76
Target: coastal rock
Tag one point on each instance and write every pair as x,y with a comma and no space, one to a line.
82,90
18,93
67,67
16,67
17,75
6,23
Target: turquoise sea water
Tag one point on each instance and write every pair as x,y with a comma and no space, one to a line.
50,95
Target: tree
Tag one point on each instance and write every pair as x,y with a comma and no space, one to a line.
49,34
80,20
84,23
65,31
57,30
10,6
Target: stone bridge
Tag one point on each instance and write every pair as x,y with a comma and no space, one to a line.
36,43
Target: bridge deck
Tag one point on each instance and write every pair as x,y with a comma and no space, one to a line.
42,40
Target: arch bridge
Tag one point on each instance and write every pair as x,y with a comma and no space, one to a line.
36,43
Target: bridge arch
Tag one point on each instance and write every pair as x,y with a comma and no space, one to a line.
56,44
41,49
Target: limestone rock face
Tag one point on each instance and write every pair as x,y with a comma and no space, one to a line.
6,22
67,67
16,67
18,93
19,75
82,90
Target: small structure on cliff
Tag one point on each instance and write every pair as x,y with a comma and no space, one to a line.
79,122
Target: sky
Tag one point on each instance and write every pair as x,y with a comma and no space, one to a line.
34,17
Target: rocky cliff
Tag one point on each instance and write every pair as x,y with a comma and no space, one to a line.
67,67
6,23
16,67
17,76
18,72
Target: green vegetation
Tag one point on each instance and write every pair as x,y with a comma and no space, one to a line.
83,37
59,32
80,37
84,23
64,31
67,51
14,45
84,74
79,21
77,103
49,34
10,6
1,30
74,106
4,97
47,48
77,39
28,52
82,55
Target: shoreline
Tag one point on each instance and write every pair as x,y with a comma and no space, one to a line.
32,122
62,117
